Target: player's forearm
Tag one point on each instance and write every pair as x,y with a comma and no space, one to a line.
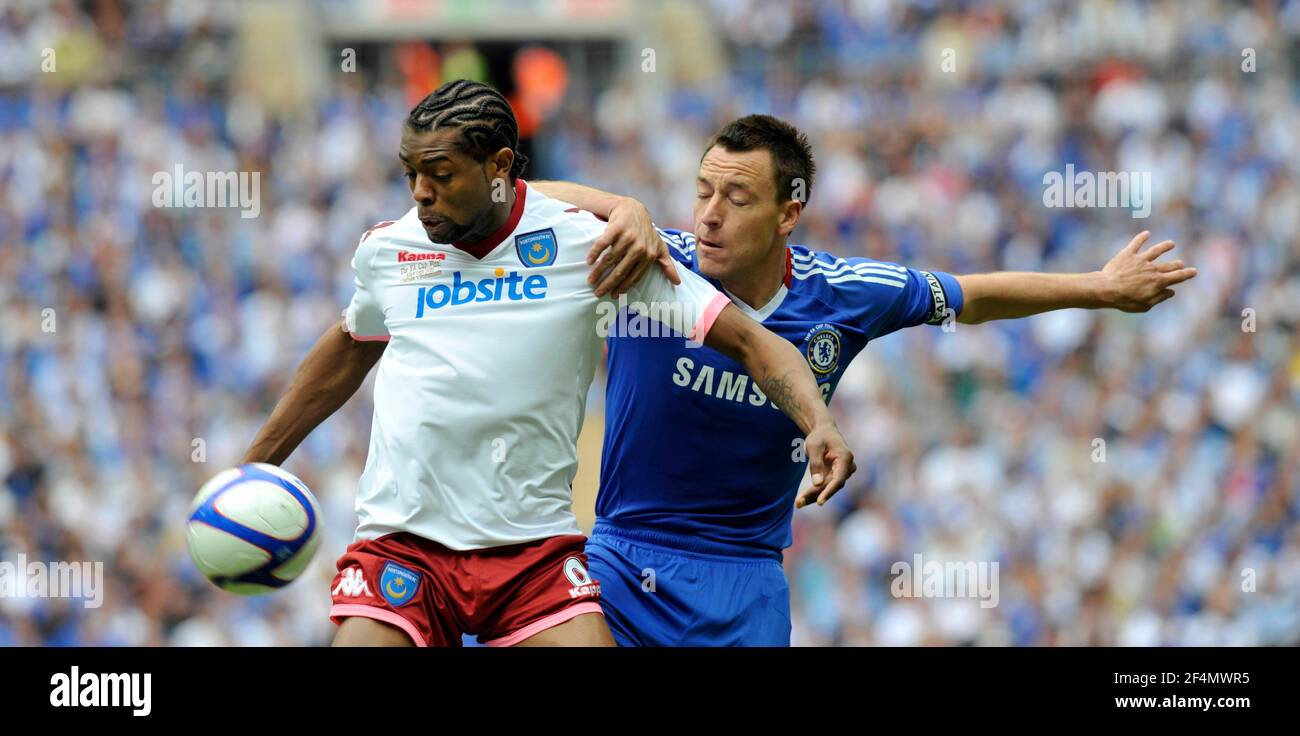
595,201
775,365
1008,295
783,374
332,371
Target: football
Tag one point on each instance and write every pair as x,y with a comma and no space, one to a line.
253,528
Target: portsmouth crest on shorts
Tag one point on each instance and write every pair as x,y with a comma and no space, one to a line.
398,584
537,249
822,348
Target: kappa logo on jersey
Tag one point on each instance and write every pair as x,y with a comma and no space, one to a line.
398,584
537,249
823,349
419,266
513,287
583,585
353,584
406,256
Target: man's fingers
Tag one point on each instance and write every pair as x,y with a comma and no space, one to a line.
805,497
614,275
1158,250
841,469
1162,296
1167,266
605,240
602,264
630,280
614,260
1137,241
817,467
1177,277
669,267
809,494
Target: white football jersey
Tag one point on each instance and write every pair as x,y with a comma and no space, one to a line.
481,391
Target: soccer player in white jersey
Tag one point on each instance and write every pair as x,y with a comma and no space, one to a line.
478,301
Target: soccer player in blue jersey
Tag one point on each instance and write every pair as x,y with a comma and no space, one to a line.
690,527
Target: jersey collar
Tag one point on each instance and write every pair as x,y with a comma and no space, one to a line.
765,311
483,247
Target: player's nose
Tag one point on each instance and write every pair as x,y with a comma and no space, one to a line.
422,190
711,215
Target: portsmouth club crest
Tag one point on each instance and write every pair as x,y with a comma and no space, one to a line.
536,249
398,584
822,348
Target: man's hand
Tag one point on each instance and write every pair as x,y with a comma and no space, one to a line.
826,446
634,246
1135,282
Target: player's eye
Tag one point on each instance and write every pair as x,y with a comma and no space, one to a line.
739,202
442,178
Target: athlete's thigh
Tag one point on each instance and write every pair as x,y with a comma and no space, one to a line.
583,630
620,589
744,604
356,631
387,588
648,593
537,588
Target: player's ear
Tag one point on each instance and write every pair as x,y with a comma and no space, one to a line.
790,211
499,163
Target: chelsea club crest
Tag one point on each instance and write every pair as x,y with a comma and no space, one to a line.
536,249
822,348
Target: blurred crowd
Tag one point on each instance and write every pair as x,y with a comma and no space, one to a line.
1136,478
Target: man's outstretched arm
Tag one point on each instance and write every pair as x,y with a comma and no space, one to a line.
1132,281
332,371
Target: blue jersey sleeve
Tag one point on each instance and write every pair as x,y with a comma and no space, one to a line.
927,298
884,297
681,244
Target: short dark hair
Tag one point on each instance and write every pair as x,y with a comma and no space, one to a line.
792,157
486,122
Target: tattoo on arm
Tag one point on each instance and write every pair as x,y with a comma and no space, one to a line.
781,392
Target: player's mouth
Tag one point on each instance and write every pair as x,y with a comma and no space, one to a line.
437,225
709,244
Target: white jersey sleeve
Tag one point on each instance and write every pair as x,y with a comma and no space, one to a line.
364,316
689,308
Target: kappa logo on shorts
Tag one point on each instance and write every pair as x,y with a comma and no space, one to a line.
583,585
398,584
353,584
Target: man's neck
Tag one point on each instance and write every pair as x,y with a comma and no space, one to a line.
757,287
500,214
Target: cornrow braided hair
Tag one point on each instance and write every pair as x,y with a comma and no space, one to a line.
486,122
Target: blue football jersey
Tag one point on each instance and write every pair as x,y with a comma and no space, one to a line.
693,448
